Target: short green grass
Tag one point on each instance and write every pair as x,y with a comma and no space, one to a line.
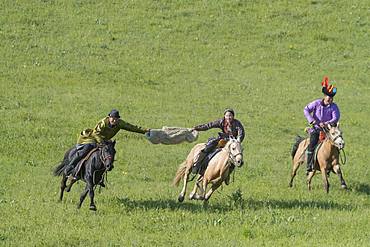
65,64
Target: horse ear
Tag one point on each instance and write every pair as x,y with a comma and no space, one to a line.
329,126
114,143
338,124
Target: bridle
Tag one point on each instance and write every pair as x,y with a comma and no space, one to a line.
331,138
233,157
104,158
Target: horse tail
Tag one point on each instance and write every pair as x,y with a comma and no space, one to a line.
179,174
298,140
58,170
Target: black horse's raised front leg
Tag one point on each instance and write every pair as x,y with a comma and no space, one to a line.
83,196
90,185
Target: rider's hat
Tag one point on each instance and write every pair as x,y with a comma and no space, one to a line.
327,89
114,113
229,110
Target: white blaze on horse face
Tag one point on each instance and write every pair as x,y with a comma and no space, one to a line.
336,136
236,152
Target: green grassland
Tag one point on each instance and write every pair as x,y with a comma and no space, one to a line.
65,64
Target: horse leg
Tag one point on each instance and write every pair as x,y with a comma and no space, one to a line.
83,196
338,171
294,172
202,185
325,179
62,186
91,194
72,181
309,179
193,195
183,191
214,187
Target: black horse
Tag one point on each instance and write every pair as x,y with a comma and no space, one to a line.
92,171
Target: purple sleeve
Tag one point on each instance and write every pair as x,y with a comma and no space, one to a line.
335,115
308,110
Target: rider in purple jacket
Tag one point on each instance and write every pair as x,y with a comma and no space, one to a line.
320,113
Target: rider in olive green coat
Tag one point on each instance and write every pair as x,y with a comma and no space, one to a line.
106,129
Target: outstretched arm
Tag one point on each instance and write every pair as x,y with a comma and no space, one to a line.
207,126
133,128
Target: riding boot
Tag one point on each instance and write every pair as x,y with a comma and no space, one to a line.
71,166
198,162
309,161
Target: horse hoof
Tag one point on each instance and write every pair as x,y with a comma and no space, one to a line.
344,186
191,196
181,198
92,207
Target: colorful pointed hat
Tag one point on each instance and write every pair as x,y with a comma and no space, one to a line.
327,89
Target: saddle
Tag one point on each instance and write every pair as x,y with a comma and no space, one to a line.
207,159
322,137
82,162
317,148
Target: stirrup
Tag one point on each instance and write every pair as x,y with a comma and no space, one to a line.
308,171
194,169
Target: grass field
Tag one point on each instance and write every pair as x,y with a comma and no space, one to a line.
65,64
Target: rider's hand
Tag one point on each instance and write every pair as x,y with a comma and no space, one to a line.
322,125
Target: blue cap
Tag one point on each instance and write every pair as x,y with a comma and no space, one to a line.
114,113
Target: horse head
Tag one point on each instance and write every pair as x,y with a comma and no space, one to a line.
335,135
107,153
235,150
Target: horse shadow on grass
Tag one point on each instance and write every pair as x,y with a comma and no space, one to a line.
215,207
294,204
168,204
361,188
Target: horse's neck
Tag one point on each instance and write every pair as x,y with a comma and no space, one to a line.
329,145
225,154
95,159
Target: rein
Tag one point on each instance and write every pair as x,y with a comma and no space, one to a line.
343,161
233,157
103,159
105,173
341,158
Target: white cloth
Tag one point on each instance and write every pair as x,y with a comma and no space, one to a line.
171,135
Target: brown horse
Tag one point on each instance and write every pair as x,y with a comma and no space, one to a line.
327,156
218,170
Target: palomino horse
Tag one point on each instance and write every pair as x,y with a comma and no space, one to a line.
218,170
327,156
99,161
